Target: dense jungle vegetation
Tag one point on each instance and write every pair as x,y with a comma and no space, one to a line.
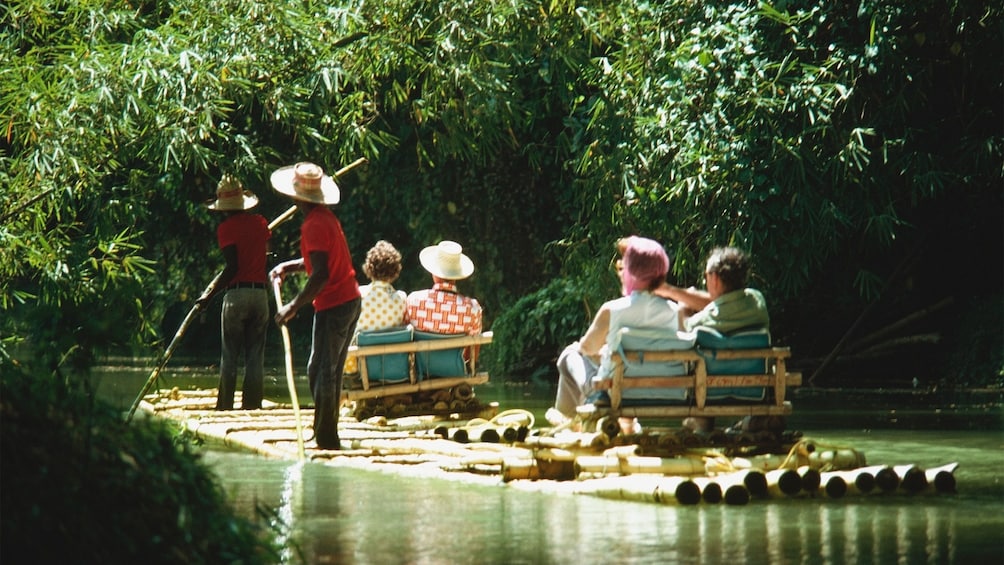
853,148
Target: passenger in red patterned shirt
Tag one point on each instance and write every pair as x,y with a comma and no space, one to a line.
243,239
442,309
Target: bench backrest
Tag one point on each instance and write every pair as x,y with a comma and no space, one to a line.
709,340
442,362
391,367
653,339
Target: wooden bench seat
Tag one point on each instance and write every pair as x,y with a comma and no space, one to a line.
697,382
414,381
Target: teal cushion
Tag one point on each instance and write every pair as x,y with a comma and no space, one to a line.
441,363
652,339
708,340
392,367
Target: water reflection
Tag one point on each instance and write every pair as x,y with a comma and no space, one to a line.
350,515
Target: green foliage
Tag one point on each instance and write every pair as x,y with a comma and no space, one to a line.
812,133
79,485
532,331
980,329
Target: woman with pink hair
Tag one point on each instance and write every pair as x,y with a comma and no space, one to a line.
644,268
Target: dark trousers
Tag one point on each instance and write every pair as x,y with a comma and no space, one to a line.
332,334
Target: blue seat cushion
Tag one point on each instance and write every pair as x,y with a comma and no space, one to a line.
653,339
443,362
392,367
708,340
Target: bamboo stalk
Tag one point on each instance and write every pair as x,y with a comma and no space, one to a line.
943,478
783,482
164,357
663,490
857,481
877,335
635,465
835,352
290,380
911,478
729,487
811,480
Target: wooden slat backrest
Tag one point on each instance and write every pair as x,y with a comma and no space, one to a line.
413,347
776,378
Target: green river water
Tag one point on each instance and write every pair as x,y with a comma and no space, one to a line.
351,515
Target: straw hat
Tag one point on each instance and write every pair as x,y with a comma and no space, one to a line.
306,182
232,196
446,261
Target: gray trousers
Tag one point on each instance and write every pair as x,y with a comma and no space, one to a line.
243,324
575,379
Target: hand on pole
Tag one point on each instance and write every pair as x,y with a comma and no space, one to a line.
286,312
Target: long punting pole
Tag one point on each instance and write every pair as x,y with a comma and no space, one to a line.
290,381
198,306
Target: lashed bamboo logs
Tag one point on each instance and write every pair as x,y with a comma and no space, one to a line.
635,465
730,487
783,483
810,480
856,481
586,463
833,484
663,490
911,478
943,478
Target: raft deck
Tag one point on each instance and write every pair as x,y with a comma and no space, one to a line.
662,466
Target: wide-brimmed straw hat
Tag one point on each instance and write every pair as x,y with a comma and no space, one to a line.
446,261
306,182
231,196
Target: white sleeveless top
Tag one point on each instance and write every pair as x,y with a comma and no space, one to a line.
641,309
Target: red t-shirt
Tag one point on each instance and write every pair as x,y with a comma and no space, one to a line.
249,232
321,231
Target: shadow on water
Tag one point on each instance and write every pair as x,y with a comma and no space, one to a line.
350,515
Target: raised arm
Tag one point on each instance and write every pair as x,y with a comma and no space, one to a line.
691,299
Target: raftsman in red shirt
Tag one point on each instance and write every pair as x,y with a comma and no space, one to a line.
443,310
321,231
250,233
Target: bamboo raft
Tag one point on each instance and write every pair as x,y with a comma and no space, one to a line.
665,467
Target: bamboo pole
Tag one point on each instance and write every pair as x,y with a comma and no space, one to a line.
664,490
833,484
886,478
752,481
811,480
783,482
637,465
943,478
835,352
170,348
711,491
729,487
857,481
882,333
290,380
911,478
